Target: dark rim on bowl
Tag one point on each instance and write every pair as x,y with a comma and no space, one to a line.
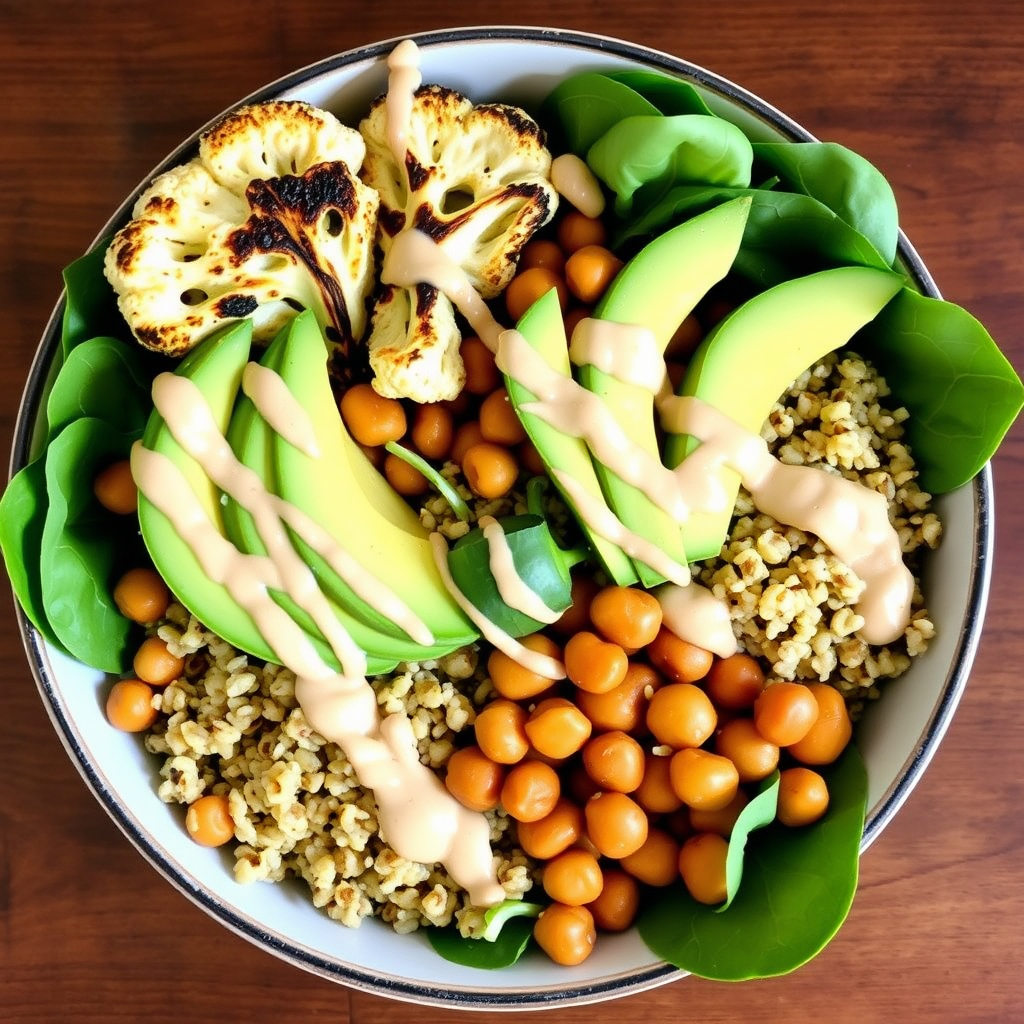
487,997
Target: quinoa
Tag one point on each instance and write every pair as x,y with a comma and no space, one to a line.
231,725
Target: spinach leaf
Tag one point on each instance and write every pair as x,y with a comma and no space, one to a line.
82,550
797,889
848,184
654,153
504,951
90,308
669,95
757,814
961,392
100,377
582,108
22,510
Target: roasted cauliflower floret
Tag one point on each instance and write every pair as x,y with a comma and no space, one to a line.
475,179
270,218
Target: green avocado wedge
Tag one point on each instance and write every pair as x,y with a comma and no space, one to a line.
753,355
344,494
544,330
658,289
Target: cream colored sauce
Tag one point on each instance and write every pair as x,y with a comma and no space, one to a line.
573,179
280,408
695,614
535,661
627,352
404,78
422,821
514,592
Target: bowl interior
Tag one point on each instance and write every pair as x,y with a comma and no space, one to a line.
898,735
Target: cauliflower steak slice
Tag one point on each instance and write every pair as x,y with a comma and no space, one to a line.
269,219
476,180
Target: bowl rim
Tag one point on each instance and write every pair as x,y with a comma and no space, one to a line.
473,997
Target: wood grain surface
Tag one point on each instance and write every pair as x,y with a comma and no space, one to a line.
93,94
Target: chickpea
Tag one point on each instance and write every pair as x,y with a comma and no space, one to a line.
624,707
803,797
141,595
734,682
130,706
572,319
547,837
528,286
687,337
832,729
575,230
482,374
406,479
626,616
721,820
615,761
784,712
681,715
432,431
566,934
154,663
501,733
616,908
573,877
657,861
577,616
702,779
531,791
616,824
702,866
490,470
371,418
680,660
594,664
542,252
557,728
115,488
498,420
755,758
208,820
581,786
590,270
474,779
655,793
466,436
515,681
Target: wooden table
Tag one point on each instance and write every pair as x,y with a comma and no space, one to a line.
93,94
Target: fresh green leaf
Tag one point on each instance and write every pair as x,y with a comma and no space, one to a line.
22,511
504,951
84,548
436,480
583,107
670,95
797,889
104,378
961,392
757,814
640,158
496,917
844,181
90,307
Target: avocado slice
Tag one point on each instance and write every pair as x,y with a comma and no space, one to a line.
215,367
543,328
756,353
252,439
346,496
657,289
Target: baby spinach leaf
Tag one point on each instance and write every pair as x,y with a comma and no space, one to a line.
90,307
82,551
100,377
844,181
670,95
654,153
961,392
496,917
582,108
440,483
797,889
504,951
757,814
22,510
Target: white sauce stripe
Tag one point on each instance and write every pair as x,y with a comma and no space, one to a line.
573,179
280,408
627,352
513,589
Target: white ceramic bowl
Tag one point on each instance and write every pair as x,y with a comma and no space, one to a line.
898,736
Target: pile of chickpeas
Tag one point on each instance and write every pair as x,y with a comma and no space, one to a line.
633,771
